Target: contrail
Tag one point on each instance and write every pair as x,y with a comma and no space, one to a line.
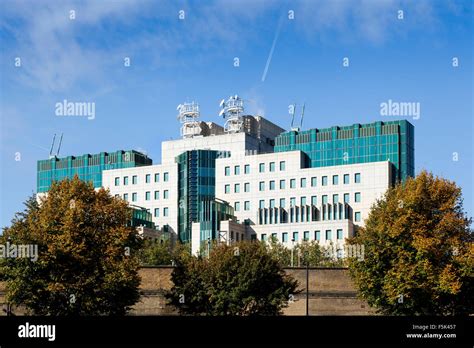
272,49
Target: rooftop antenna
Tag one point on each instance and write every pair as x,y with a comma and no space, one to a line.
232,110
188,115
52,145
293,112
59,147
302,115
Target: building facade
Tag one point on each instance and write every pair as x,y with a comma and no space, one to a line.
260,181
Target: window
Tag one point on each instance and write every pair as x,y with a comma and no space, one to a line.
165,194
282,184
237,188
227,188
346,198
237,170
117,196
274,236
125,196
306,235
303,200
261,186
157,194
147,195
157,177
261,204
324,181
325,199
335,199
284,237
272,166
264,237
247,205
237,206
328,235
357,197
261,167
339,234
303,182
317,235
165,211
247,169
247,187
134,196
272,203
357,178
313,181
147,178
357,216
295,236
166,177
282,202
157,212
346,179
227,171
335,179
314,200
117,181
292,201
282,165
292,183
125,180
272,185
134,180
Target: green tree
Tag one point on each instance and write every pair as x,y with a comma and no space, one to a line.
418,251
242,279
87,262
156,252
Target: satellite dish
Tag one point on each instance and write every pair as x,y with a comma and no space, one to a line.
222,103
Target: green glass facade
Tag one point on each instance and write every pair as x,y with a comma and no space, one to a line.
196,195
141,217
87,167
373,142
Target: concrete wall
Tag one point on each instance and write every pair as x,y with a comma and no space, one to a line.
331,292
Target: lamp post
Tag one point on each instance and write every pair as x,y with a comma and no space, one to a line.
292,250
307,283
208,246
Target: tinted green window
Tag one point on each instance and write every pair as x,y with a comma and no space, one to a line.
261,167
247,169
165,194
335,198
293,183
227,188
125,196
282,165
247,205
357,197
346,178
335,179
357,178
328,235
313,181
272,166
324,181
227,171
134,180
317,235
303,182
346,198
284,237
261,185
157,212
157,177
314,200
282,202
134,196
165,211
272,185
147,178
125,180
282,184
147,195
237,206
339,234
306,235
157,194
325,199
237,170
357,216
247,187
237,188
166,176
295,236
117,181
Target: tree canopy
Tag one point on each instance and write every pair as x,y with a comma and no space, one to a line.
87,255
241,279
419,253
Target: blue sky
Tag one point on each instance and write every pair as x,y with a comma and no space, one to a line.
192,59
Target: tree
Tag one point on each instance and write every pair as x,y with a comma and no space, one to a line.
156,252
87,262
418,251
241,279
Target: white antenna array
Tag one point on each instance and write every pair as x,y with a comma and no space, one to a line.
232,110
188,115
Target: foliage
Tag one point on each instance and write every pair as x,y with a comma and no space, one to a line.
418,251
156,252
87,262
242,279
307,252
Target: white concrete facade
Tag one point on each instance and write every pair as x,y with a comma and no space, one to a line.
256,183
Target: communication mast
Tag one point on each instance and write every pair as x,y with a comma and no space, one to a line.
188,115
232,110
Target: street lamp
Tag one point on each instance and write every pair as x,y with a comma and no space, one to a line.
208,246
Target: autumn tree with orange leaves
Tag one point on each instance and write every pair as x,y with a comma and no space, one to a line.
87,255
419,253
